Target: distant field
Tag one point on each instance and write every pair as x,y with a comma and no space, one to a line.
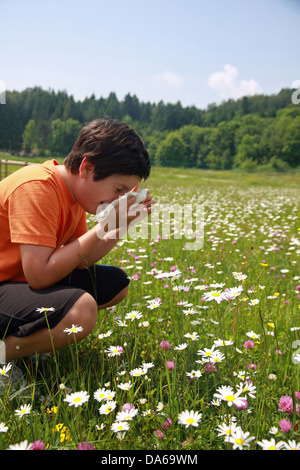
187,177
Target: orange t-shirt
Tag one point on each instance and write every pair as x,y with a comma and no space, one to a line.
35,208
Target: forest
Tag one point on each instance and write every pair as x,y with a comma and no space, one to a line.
250,133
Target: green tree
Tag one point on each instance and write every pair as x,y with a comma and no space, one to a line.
291,143
248,150
222,146
72,110
171,152
131,107
283,137
29,137
10,124
196,139
113,106
64,134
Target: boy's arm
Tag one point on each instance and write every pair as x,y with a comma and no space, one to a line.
101,249
44,266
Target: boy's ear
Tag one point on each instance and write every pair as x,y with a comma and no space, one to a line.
136,188
86,168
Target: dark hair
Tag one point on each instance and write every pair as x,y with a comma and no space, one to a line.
112,147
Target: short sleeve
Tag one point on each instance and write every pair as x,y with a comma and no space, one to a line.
81,228
34,213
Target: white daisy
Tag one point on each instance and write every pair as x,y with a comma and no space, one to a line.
181,347
24,410
126,415
292,445
77,398
147,365
222,342
5,369
189,418
126,386
239,276
217,356
138,372
73,329
271,444
190,311
120,426
45,309
216,295
252,335
227,394
114,351
154,304
206,352
248,389
105,335
194,374
240,439
253,302
193,336
108,407
234,292
109,395
3,427
133,315
24,445
226,429
100,394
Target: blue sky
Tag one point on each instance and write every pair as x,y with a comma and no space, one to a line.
193,51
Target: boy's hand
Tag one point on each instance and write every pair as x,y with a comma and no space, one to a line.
148,201
123,214
135,212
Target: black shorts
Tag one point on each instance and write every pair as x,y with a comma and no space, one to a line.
24,310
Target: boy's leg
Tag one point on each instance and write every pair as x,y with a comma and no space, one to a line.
117,299
83,313
107,284
26,331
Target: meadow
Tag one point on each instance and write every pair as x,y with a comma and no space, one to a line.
204,353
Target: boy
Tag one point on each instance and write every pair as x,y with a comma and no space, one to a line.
48,277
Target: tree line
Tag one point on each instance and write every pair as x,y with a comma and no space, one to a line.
251,132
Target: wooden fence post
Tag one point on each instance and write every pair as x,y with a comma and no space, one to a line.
5,163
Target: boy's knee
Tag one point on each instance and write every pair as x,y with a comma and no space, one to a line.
123,293
120,296
116,299
85,312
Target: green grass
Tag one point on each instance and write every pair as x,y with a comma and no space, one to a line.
251,226
192,176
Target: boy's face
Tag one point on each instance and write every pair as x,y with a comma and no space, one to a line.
91,194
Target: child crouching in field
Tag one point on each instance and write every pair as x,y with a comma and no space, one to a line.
49,279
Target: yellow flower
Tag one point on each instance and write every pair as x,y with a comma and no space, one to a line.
64,432
271,324
65,436
51,410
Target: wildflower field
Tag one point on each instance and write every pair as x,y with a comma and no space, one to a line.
204,353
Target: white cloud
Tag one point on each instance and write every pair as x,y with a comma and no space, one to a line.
228,84
170,78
